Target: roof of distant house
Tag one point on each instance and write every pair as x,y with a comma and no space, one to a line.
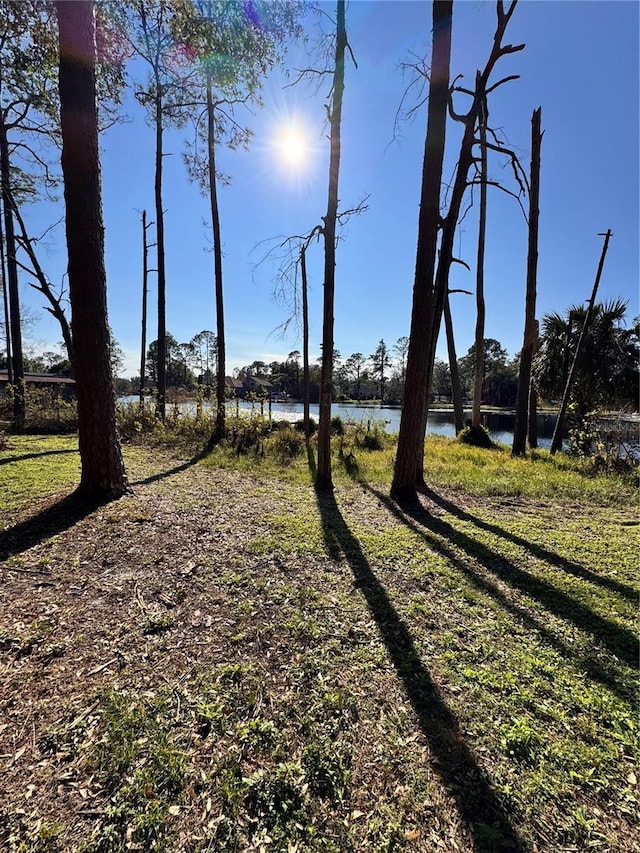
41,378
258,380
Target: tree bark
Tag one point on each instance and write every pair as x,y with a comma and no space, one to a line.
305,344
456,390
5,303
323,478
14,331
143,335
478,376
103,475
412,420
465,159
556,441
217,263
441,282
530,326
533,417
161,401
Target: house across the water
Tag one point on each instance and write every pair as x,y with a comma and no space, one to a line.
64,385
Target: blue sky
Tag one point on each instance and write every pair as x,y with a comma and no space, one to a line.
580,65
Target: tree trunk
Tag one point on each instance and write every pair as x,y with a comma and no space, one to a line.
161,401
143,336
465,159
103,475
533,417
456,390
412,421
530,326
5,302
556,441
323,478
217,263
305,344
441,282
478,375
14,331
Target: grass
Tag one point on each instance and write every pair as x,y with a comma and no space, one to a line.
224,661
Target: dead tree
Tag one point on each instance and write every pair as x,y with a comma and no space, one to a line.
291,255
42,284
530,326
407,472
466,159
478,374
292,252
323,477
14,331
409,468
145,275
305,344
456,390
5,303
532,429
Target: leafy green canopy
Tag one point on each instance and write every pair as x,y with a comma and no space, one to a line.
606,372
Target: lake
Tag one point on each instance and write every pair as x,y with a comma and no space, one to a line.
499,424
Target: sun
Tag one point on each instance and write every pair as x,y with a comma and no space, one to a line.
293,147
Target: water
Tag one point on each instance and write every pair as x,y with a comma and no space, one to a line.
499,424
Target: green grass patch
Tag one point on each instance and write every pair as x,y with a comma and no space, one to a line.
34,466
331,674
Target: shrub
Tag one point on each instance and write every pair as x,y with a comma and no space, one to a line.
134,422
337,426
287,444
476,436
47,411
373,440
313,425
280,424
605,443
247,435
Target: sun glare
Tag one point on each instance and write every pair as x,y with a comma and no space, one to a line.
293,147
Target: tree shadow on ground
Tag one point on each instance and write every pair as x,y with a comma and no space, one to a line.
484,815
538,551
67,512
184,466
617,639
55,519
430,528
7,459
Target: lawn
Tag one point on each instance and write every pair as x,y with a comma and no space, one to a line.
224,661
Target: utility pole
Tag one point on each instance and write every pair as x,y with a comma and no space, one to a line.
556,442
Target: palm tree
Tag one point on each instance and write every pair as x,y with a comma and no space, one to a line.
606,372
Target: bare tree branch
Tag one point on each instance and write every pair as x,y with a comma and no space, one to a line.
504,80
462,263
